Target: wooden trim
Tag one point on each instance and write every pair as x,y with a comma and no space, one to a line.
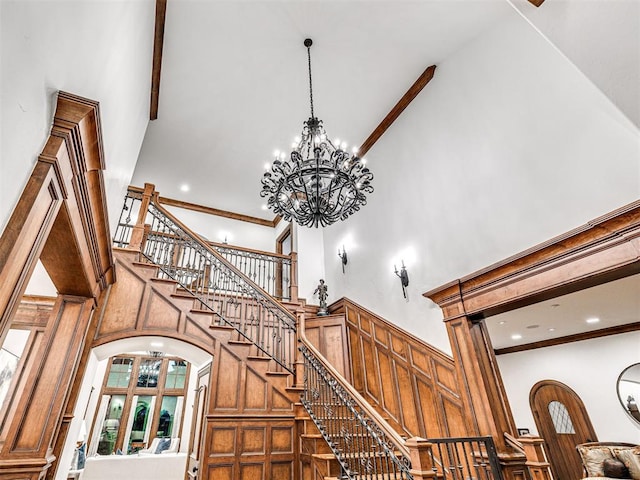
536,3
603,332
215,211
248,250
395,112
605,249
158,41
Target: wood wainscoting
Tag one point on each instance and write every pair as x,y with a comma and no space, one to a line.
411,382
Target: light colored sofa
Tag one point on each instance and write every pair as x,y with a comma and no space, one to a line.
610,460
136,467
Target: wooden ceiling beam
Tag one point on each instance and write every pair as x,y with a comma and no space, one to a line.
158,41
395,112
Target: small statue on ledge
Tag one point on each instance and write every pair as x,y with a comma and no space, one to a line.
321,290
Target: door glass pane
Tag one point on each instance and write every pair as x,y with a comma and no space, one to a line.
149,372
111,425
167,416
560,418
120,372
141,420
176,374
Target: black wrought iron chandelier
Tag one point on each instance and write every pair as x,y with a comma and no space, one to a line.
320,183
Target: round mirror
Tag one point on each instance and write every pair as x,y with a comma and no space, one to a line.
629,390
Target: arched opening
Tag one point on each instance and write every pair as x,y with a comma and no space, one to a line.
111,403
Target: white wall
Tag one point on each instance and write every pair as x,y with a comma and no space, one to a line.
509,145
602,39
590,368
101,50
308,242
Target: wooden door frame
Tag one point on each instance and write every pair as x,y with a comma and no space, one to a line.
286,233
61,219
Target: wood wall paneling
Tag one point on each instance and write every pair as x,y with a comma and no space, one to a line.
329,335
410,382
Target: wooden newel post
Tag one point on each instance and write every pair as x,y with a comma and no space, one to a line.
539,468
294,277
421,458
137,235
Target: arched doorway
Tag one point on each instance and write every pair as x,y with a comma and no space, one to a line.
562,420
96,395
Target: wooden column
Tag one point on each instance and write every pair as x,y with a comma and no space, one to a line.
421,458
138,233
32,430
294,277
486,406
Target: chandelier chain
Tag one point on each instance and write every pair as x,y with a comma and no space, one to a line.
310,83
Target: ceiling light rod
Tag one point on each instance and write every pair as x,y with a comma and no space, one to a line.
319,183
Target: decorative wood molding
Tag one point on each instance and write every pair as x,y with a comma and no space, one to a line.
537,3
211,211
412,382
395,112
158,42
577,337
605,249
61,215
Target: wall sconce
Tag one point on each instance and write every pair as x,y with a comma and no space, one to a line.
343,257
404,278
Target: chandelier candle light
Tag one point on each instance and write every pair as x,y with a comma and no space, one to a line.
320,183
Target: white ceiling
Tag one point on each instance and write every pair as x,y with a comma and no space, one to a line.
614,303
234,84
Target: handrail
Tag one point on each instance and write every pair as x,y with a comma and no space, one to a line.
273,272
238,248
214,282
514,443
388,441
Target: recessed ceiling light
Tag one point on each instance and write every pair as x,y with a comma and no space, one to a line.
516,336
157,344
593,320
502,322
264,207
184,187
552,329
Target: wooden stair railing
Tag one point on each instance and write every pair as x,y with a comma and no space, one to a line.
364,444
533,449
275,273
368,447
213,282
420,394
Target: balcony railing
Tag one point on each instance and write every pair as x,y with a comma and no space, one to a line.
215,284
272,272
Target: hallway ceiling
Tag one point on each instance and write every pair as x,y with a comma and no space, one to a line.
612,304
234,84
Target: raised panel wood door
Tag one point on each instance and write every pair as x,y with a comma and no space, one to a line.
563,422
